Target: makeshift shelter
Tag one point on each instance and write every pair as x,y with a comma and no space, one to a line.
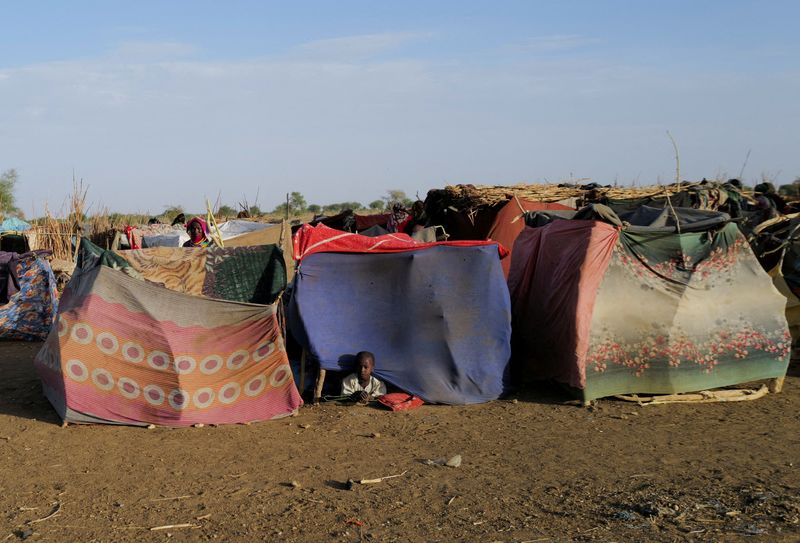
776,244
14,235
28,297
14,224
641,303
436,315
509,222
234,233
270,234
127,350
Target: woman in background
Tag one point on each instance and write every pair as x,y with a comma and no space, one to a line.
198,233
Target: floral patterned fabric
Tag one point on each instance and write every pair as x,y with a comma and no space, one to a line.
608,312
29,313
684,312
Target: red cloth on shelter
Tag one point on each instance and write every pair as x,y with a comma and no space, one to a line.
508,224
553,283
322,239
134,237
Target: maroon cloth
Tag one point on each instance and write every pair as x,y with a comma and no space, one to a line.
508,224
366,221
553,282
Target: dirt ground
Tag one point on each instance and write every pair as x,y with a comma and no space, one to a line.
534,469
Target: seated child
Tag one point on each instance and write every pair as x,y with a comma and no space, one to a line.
362,386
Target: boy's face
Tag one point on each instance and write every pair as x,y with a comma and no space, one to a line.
365,366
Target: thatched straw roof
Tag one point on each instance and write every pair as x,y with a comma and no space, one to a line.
470,196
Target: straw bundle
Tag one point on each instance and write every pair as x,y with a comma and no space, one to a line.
56,235
471,196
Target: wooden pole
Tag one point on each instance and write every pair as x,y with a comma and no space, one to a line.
318,385
302,386
776,385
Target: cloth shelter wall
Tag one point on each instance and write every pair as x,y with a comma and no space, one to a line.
437,318
553,284
705,315
673,312
130,352
254,274
792,305
32,301
508,223
279,235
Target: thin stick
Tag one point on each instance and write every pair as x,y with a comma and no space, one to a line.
746,158
171,498
677,219
53,513
380,479
677,160
706,396
169,526
213,229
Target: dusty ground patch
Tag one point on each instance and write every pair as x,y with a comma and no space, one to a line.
533,470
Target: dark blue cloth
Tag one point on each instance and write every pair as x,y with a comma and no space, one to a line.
438,320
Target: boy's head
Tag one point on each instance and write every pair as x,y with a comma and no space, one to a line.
365,363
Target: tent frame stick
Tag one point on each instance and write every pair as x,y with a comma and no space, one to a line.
776,385
318,385
302,386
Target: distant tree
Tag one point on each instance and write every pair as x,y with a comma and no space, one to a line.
313,208
377,205
226,211
332,208
280,209
355,206
254,211
8,181
297,203
792,189
394,195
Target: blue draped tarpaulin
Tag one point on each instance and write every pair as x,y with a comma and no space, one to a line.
437,319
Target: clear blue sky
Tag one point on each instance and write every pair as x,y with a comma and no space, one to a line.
157,102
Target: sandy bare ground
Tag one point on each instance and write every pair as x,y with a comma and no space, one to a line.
533,470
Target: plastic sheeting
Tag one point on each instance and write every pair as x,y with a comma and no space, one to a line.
13,224
437,320
235,227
